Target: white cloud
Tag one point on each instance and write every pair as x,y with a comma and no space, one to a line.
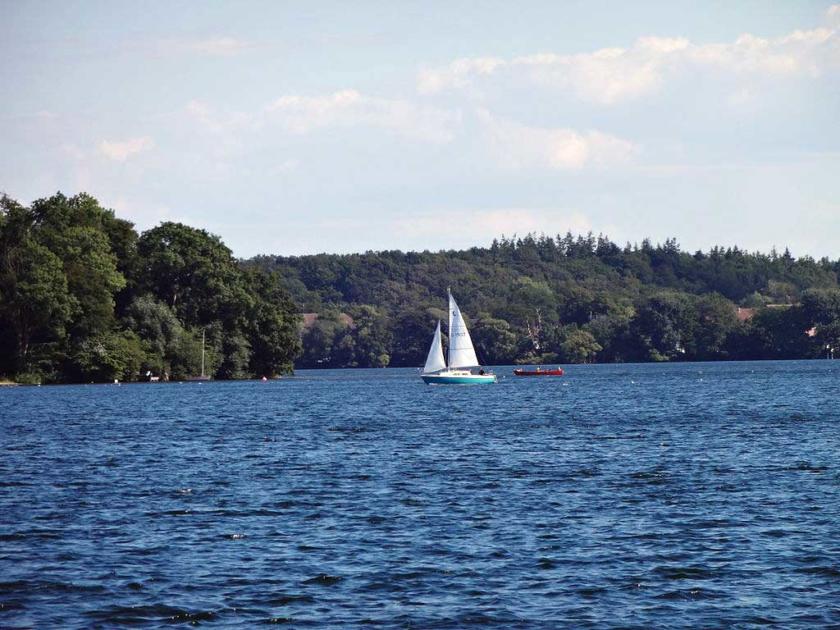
300,115
349,108
611,75
120,151
518,146
457,74
216,122
513,145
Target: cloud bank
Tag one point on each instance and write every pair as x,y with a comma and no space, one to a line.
348,108
610,76
519,146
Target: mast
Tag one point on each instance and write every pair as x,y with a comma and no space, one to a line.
202,352
449,325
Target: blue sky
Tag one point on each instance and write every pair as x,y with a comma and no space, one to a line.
291,128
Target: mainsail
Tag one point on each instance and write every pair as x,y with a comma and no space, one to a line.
461,351
434,361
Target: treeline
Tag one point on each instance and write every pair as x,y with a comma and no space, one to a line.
568,299
84,297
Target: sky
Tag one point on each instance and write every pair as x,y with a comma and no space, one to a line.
303,127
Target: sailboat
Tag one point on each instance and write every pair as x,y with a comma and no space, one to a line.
461,355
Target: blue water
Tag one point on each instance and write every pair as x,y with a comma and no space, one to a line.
635,496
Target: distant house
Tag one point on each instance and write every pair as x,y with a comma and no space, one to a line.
746,314
309,320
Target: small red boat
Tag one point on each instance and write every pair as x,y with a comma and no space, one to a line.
539,372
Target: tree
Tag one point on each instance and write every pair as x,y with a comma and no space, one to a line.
79,288
34,298
716,320
494,341
821,306
273,325
155,323
193,272
774,333
74,229
412,334
370,336
236,357
663,325
92,279
612,332
159,331
184,358
579,347
828,339
106,357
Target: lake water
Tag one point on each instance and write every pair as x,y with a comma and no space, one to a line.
680,495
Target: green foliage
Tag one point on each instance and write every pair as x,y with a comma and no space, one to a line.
184,357
411,345
192,272
821,306
531,295
663,326
29,378
579,347
35,302
156,324
775,333
716,321
319,340
106,357
371,337
495,343
74,230
273,326
83,298
359,339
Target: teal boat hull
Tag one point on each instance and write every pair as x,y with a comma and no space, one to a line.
465,379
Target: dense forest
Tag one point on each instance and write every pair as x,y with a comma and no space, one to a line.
84,297
567,299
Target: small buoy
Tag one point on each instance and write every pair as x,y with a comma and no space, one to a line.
264,379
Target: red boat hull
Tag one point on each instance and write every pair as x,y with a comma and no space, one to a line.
557,372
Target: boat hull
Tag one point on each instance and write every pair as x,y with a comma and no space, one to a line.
557,372
458,379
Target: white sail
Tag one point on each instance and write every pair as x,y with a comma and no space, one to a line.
461,351
434,361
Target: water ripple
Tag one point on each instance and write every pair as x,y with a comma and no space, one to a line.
630,496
